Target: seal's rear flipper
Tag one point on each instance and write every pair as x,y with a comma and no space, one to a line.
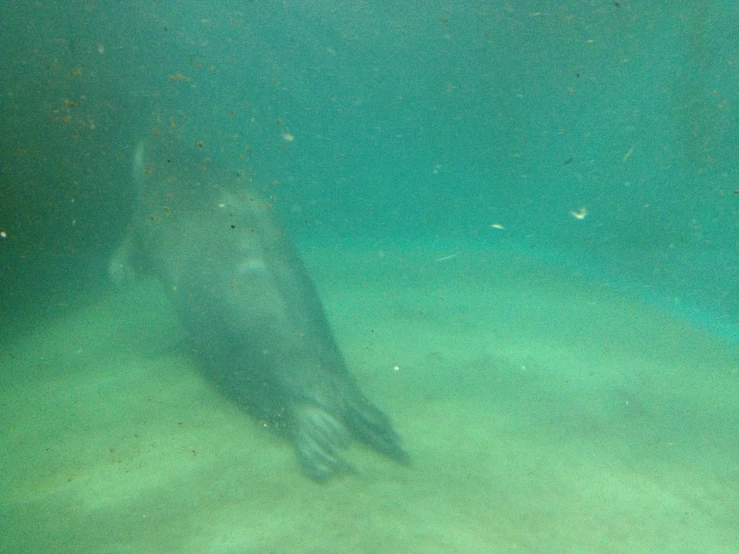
120,267
319,438
370,425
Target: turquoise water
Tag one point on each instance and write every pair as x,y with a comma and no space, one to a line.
522,220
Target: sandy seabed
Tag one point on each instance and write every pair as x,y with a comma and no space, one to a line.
543,413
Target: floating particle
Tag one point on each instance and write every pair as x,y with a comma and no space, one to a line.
579,214
497,226
628,154
448,257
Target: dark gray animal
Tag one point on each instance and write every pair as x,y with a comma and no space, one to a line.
253,316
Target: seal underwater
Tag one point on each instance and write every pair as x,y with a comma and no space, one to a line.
253,316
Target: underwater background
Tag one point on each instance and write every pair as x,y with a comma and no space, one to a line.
523,222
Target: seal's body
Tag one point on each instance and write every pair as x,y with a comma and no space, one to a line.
253,316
